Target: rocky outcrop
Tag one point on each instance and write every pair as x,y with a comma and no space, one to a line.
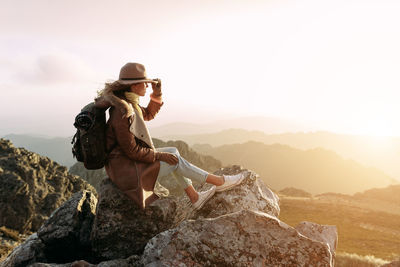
252,194
64,237
66,234
326,234
32,187
243,238
208,163
31,251
237,227
121,228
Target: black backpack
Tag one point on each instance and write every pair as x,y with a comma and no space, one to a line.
89,141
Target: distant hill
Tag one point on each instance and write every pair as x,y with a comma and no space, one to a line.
390,194
257,123
315,171
381,153
57,148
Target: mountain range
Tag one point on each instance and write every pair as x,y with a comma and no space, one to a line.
316,170
298,164
269,125
378,152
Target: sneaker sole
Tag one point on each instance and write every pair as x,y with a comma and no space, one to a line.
204,202
232,185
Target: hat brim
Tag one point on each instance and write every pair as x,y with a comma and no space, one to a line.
136,81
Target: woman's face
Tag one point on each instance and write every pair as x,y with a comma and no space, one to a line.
139,88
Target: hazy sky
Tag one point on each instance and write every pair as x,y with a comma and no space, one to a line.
332,64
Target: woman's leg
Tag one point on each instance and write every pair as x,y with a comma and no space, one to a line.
186,185
222,183
187,169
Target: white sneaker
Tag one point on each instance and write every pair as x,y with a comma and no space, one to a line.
203,197
231,181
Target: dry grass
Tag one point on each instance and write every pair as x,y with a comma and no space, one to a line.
4,251
8,233
380,239
9,239
354,260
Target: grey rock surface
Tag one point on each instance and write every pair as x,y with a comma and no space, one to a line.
66,234
121,229
30,251
243,238
237,227
251,194
32,187
324,233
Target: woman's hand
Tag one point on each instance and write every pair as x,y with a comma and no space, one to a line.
156,88
169,158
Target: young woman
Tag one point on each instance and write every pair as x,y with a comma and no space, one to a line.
134,164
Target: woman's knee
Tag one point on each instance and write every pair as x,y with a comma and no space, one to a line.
172,150
175,151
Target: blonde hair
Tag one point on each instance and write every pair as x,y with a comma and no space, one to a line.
113,94
117,88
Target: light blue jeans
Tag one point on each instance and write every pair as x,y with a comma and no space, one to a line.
183,172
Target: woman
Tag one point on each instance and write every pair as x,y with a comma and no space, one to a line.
133,163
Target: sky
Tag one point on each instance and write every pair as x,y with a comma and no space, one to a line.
333,65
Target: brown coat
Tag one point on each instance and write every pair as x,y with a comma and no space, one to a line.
132,165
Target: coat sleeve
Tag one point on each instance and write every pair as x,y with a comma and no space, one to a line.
126,140
151,110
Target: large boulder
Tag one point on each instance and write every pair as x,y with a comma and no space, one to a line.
122,229
251,194
32,187
243,238
237,227
327,234
29,252
66,234
64,237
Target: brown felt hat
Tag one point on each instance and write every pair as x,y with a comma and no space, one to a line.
133,73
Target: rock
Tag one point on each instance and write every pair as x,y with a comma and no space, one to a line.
40,264
64,237
132,261
30,251
32,187
237,227
243,238
323,233
121,229
66,234
251,194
